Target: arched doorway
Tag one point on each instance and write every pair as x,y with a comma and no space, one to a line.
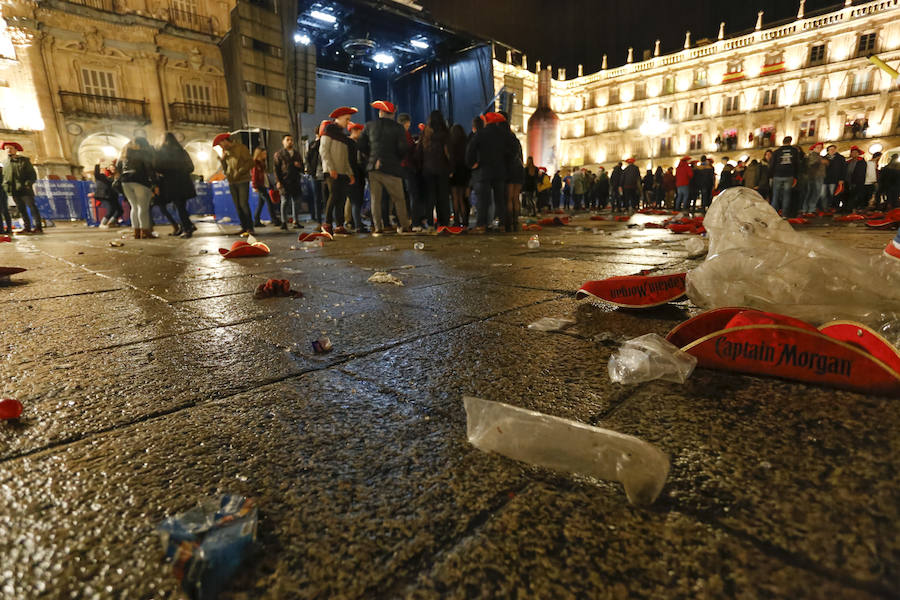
206,162
100,147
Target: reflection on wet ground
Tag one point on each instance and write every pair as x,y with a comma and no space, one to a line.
151,377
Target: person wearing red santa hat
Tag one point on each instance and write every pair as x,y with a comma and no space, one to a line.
18,181
237,166
384,144
334,149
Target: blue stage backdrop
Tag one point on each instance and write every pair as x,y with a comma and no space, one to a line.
460,87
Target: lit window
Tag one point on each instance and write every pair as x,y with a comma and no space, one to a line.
732,104
99,83
697,141
198,95
701,77
614,96
774,58
813,90
817,54
808,129
735,66
665,146
665,113
861,84
698,109
669,85
770,98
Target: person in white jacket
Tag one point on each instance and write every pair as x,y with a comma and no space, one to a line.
335,152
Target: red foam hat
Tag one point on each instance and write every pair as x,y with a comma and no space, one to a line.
221,138
629,160
315,235
384,105
450,230
343,110
15,145
635,291
493,117
356,126
816,145
243,249
857,148
323,125
840,354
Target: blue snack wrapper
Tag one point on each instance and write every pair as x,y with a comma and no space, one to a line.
206,544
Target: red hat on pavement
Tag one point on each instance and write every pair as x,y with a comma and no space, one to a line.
385,106
15,145
323,125
221,138
629,160
343,110
356,126
241,249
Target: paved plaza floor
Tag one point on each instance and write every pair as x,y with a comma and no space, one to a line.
151,378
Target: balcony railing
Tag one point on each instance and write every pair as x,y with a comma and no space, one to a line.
184,112
189,20
106,5
104,106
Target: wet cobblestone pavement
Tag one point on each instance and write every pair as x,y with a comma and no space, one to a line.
151,377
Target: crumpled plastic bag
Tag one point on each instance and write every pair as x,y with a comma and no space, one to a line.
695,247
569,446
650,357
756,259
551,324
206,544
385,277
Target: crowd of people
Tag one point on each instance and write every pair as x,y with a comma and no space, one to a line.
426,178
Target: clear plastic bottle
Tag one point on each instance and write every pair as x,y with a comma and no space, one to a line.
534,242
419,246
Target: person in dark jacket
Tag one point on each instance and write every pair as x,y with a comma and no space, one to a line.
555,191
434,157
785,173
615,185
602,191
515,176
647,185
705,180
136,168
6,226
18,181
357,194
288,166
314,170
669,187
487,155
412,181
174,166
835,171
459,175
726,177
384,144
856,180
530,186
630,185
105,191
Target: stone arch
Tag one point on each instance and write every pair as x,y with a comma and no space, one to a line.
103,147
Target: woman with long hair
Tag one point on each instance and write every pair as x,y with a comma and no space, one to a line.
529,186
459,175
435,160
260,181
174,166
136,169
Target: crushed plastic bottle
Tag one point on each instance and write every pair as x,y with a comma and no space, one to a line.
534,242
385,277
386,249
312,245
419,246
206,544
756,259
569,446
650,357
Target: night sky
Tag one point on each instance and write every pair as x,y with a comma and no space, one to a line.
586,29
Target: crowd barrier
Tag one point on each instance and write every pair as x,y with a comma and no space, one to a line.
63,200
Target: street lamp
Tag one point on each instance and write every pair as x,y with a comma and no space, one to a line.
653,128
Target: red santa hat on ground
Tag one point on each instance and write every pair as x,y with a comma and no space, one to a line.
384,106
242,249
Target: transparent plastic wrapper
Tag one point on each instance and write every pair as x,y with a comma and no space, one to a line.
551,324
757,260
569,446
650,357
695,247
206,544
384,277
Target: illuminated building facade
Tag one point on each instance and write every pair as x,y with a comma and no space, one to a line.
735,96
79,78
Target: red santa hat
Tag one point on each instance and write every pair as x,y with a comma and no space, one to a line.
356,126
857,148
816,145
421,126
221,138
630,161
241,249
385,106
493,117
15,145
343,110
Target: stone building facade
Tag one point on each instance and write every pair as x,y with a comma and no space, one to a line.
735,96
79,78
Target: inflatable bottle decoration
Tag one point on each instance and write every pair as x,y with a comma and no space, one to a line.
543,128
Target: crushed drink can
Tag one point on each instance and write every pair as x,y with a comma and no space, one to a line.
322,345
